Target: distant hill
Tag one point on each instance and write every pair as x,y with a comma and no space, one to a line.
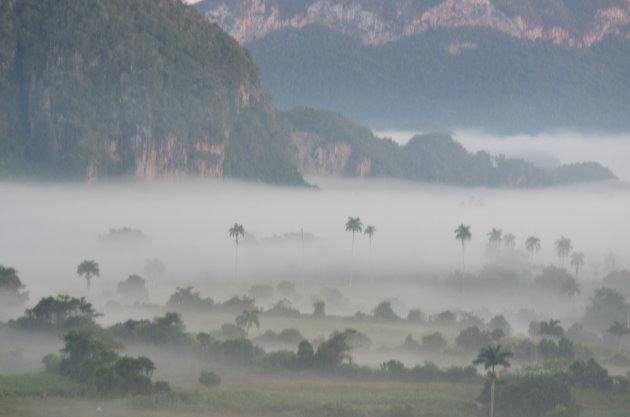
144,88
500,65
325,143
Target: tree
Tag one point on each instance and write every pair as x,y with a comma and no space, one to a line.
532,244
495,236
247,319
236,231
509,241
319,309
11,288
550,328
353,225
563,248
491,357
88,268
369,231
154,268
577,260
462,233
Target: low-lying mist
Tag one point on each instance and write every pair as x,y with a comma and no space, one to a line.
545,149
47,230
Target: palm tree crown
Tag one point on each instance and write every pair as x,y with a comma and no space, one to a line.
247,319
237,230
88,268
369,230
495,236
509,241
563,247
577,260
462,233
491,357
354,224
532,244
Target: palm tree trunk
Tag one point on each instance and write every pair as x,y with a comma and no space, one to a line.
463,259
89,282
352,261
492,398
236,263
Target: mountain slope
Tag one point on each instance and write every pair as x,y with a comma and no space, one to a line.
145,88
467,77
325,143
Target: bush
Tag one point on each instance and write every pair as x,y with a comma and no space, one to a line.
434,342
209,379
533,395
186,299
473,338
384,311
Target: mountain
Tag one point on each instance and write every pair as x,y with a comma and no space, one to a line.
149,88
144,88
326,143
453,63
571,23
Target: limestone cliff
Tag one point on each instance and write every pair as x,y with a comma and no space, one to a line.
383,21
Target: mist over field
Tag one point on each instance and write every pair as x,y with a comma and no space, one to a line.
48,229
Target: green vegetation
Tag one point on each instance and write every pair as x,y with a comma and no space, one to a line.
435,158
108,88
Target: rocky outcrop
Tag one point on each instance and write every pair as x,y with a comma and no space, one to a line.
380,22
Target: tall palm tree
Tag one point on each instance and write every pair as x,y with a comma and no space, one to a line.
462,233
491,357
509,241
563,248
369,231
532,244
353,225
495,236
577,260
87,269
247,319
236,231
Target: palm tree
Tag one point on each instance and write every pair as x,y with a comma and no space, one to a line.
88,268
577,260
563,248
491,357
509,241
462,233
494,237
354,225
532,244
247,319
236,231
369,231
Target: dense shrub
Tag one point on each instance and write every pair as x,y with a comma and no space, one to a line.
473,338
209,379
57,313
186,299
434,342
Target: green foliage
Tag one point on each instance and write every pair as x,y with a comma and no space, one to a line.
473,338
434,342
589,374
57,314
11,288
557,280
606,306
94,362
133,288
166,330
332,352
335,410
384,311
209,379
94,86
532,396
186,299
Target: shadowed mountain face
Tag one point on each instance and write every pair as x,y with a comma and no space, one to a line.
145,88
571,23
498,65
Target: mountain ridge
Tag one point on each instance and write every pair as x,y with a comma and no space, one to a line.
573,24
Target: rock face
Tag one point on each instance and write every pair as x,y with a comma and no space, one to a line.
383,21
147,88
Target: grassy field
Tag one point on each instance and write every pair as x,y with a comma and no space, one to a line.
285,398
